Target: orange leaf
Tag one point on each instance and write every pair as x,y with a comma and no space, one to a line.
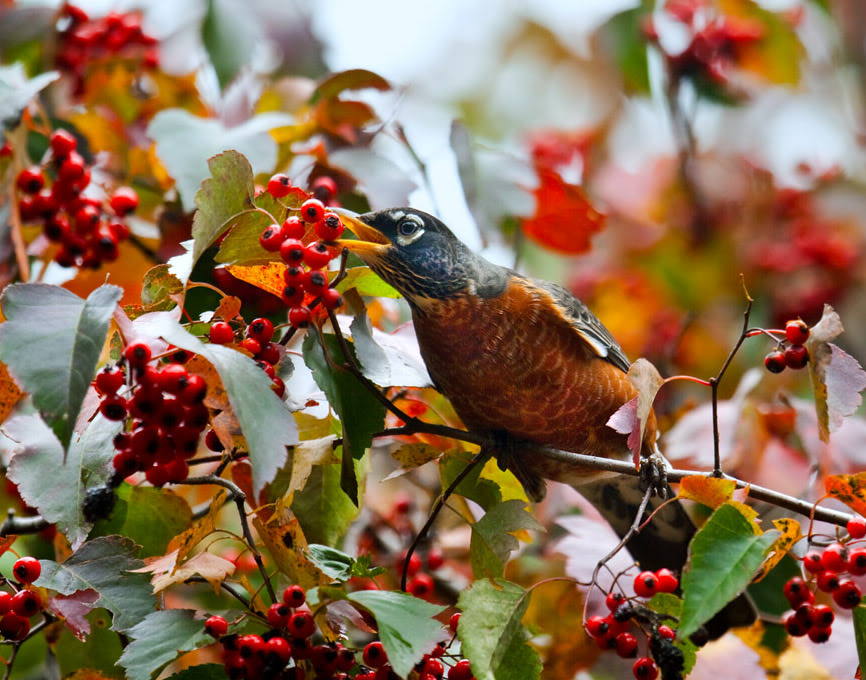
850,489
6,542
229,308
9,393
268,276
710,491
564,218
791,533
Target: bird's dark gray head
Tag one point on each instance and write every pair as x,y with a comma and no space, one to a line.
417,254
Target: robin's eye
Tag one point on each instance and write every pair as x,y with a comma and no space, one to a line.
408,226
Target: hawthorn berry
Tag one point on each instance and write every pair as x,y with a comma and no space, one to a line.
330,227
324,188
157,475
293,228
113,407
613,601
221,333
250,645
261,329
251,345
796,331
110,379
420,585
819,635
316,255
666,632
835,558
827,581
277,649
292,251
847,595
795,626
797,592
775,361
278,387
5,602
279,186
626,645
301,624
172,378
62,142
796,357
312,210
812,562
597,626
857,562
667,581
300,316
271,238
72,168
435,559
460,671
316,282
412,567
374,655
294,596
433,667
856,527
26,570
30,180
123,201
645,669
270,353
14,627
194,391
646,584
137,354
26,603
823,616
331,299
453,622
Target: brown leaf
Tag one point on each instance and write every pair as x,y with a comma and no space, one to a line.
285,540
9,392
850,489
186,541
791,533
229,307
305,455
216,397
212,568
632,416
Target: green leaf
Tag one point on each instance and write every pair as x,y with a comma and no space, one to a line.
666,603
768,594
483,491
160,639
102,565
366,282
98,652
184,142
407,628
859,614
629,46
492,540
241,245
50,342
265,421
323,510
16,91
150,517
724,556
353,79
231,35
331,562
360,413
493,638
157,289
208,671
54,487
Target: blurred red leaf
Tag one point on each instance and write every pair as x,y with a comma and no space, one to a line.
850,489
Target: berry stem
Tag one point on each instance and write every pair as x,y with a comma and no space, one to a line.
699,381
18,244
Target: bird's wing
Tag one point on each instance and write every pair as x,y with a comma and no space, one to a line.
576,314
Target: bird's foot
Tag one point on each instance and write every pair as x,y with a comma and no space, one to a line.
509,453
654,475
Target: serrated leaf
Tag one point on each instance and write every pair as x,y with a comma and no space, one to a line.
159,639
16,91
241,245
50,342
386,364
103,565
407,628
850,489
492,538
9,393
483,491
331,562
790,535
159,289
493,638
59,496
265,421
98,652
710,491
149,516
212,568
724,556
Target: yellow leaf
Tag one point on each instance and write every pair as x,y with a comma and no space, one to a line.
710,491
285,540
186,541
791,533
754,637
212,568
411,456
268,276
306,454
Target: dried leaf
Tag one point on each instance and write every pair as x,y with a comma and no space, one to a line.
229,307
411,456
268,277
9,392
306,455
632,416
185,542
791,533
212,568
850,489
710,491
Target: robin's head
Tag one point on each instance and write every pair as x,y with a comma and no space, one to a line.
413,251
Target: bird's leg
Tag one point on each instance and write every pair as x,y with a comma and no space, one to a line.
509,454
654,475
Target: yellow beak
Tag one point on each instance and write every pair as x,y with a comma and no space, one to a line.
371,243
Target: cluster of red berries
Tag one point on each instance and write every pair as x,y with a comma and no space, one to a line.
791,352
165,413
87,230
716,41
18,606
305,273
826,569
82,40
611,632
257,341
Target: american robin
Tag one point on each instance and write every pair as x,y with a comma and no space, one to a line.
523,358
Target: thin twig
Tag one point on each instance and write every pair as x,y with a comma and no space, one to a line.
228,587
22,525
18,244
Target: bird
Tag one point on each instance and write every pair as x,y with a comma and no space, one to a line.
526,363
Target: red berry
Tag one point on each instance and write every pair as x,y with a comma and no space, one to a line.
835,558
324,188
805,614
299,317
194,392
795,626
856,527
316,282
137,354
857,562
221,333
827,581
279,186
250,645
453,622
27,570
5,602
797,592
157,475
26,603
667,581
646,584
434,668
330,228
435,559
212,441
819,635
614,600
294,596
316,255
597,626
420,585
292,251
666,632
250,345
177,471
775,361
301,624
796,331
109,380
312,210
30,180
796,356
261,329
847,595
645,669
14,627
270,353
626,645
124,200
277,649
172,378
72,168
293,228
62,142
271,238
278,615
113,407
374,655
460,671
823,616
125,464
812,562
331,299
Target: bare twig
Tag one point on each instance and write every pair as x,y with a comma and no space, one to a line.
228,587
22,525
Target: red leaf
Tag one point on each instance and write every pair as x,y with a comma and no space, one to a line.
72,610
564,219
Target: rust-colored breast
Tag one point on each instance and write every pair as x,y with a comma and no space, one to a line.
513,363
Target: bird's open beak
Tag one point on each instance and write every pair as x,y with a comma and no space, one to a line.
371,243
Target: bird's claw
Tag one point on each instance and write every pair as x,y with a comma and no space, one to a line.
654,475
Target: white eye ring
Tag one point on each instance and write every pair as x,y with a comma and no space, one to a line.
409,230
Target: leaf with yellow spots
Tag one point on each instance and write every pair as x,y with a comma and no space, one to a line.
186,541
850,489
268,276
9,393
710,491
791,533
411,456
767,642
